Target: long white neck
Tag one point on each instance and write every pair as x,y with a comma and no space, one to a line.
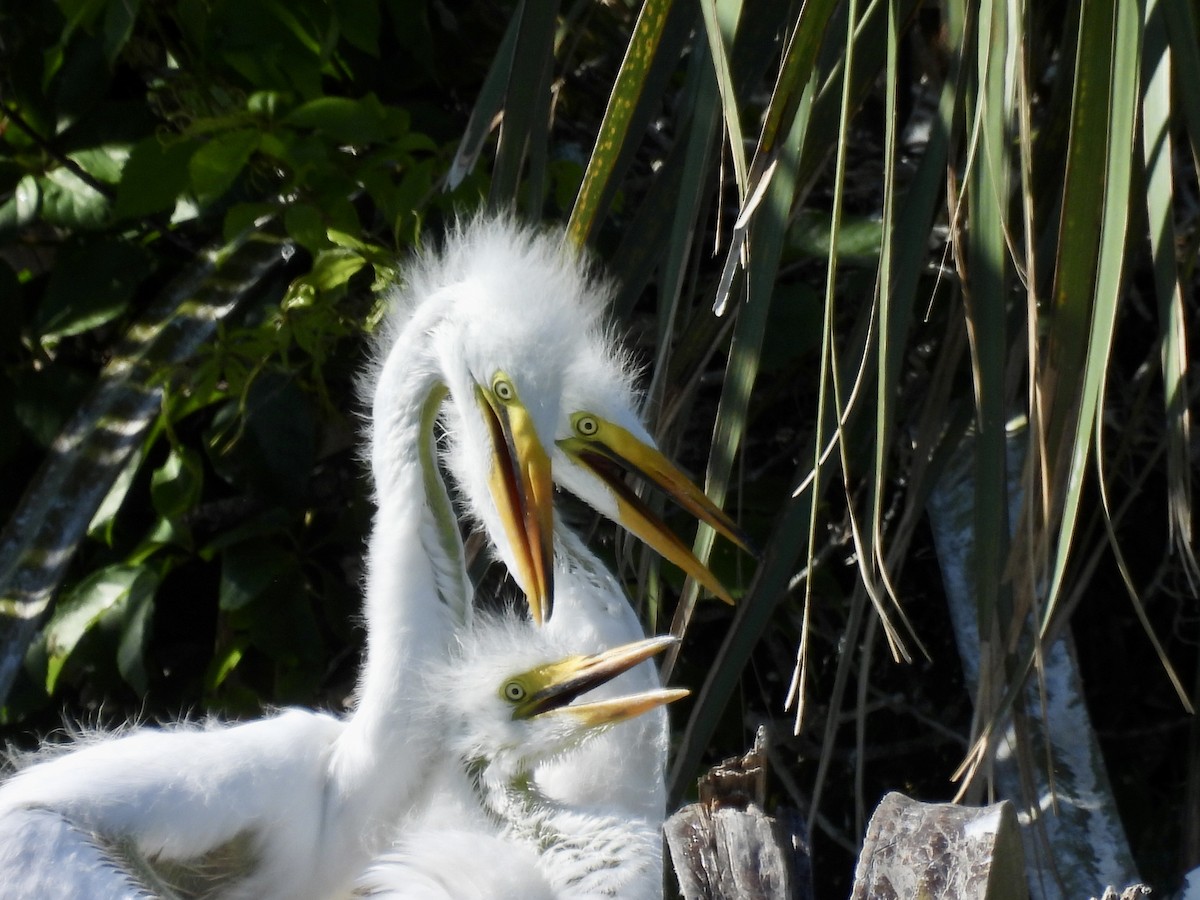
621,771
415,589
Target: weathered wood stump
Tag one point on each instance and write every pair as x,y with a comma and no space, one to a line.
941,850
725,847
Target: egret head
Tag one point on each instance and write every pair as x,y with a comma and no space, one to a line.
498,311
600,438
515,695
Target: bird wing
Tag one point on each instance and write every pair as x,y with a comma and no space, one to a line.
42,855
216,804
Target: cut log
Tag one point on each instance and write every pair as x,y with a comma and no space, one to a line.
941,850
725,847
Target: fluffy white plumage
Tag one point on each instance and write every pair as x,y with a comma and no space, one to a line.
508,325
70,861
483,828
306,798
606,799
505,299
624,769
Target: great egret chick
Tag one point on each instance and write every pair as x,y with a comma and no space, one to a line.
506,706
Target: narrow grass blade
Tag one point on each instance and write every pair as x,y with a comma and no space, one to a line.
986,299
1157,152
771,580
1185,54
791,87
528,97
613,129
1124,26
719,25
742,368
487,106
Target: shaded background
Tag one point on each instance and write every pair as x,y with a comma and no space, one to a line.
992,221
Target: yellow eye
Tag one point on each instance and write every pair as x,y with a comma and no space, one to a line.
503,389
513,691
587,425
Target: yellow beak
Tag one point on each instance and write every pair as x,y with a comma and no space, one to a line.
523,491
609,452
553,686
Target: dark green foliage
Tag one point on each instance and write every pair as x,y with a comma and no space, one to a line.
222,570
904,261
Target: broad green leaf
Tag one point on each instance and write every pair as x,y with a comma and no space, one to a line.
154,176
359,24
306,226
85,605
92,284
135,635
81,14
175,486
102,163
44,401
266,445
269,524
103,522
217,163
244,217
250,568
364,121
119,19
22,207
67,201
332,269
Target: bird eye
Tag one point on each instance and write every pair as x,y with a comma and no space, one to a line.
514,691
503,389
587,425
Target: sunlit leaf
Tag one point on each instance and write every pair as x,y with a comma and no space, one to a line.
67,201
135,635
621,102
362,121
90,600
175,485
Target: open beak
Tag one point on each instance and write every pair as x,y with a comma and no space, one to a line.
555,685
611,452
523,491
